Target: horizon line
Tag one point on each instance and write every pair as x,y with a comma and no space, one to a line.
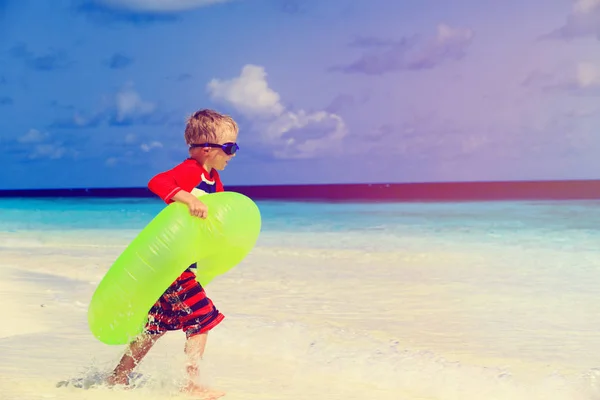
565,189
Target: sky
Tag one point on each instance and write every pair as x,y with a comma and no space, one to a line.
95,93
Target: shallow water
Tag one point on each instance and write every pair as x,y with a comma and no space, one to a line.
490,300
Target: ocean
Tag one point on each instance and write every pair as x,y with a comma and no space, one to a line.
436,300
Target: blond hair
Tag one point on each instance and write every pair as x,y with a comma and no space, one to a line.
208,126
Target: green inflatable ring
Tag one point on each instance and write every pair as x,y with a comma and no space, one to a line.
170,243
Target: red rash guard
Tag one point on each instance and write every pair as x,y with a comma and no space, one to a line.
185,176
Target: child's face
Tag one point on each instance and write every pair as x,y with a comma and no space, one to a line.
215,157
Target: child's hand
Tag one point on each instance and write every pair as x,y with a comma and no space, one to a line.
198,208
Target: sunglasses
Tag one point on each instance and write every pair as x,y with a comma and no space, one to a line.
228,148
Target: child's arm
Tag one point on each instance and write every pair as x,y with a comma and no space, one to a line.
168,186
197,208
165,185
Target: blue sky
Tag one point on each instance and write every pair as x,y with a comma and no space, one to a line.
95,93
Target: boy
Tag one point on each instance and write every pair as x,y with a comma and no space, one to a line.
211,138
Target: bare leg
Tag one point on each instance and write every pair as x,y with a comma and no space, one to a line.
194,350
135,352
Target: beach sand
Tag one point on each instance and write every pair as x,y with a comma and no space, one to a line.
45,288
300,323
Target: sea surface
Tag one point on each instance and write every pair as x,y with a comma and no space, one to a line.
469,300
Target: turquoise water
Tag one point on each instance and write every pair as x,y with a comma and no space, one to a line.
20,213
572,226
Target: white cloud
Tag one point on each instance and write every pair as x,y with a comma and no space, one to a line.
410,53
111,161
248,93
130,138
52,151
33,136
583,77
290,130
588,74
129,104
583,111
585,6
290,133
159,5
446,35
79,120
149,146
583,20
449,44
125,107
41,145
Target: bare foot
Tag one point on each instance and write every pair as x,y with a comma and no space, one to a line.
202,392
117,379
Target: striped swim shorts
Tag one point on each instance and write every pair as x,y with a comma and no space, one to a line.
185,306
